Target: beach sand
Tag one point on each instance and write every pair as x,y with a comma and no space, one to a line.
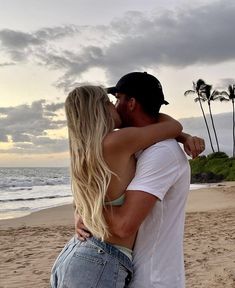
29,245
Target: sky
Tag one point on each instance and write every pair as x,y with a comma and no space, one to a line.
48,47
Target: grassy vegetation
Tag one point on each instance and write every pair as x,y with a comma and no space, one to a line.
212,168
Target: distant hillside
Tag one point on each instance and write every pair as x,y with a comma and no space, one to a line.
223,124
214,167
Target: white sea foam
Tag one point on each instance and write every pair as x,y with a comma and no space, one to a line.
198,186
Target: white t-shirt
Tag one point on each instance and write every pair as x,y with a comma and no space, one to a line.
162,170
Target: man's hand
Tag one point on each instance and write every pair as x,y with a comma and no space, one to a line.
80,229
193,145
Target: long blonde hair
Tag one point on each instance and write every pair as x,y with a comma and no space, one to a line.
89,121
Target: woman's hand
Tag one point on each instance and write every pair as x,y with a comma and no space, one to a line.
80,229
193,145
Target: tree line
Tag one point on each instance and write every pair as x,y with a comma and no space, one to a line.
205,93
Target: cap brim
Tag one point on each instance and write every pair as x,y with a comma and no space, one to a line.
112,90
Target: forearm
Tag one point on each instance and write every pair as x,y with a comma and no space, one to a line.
166,119
182,138
125,220
118,222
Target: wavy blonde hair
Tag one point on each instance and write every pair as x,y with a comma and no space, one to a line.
89,121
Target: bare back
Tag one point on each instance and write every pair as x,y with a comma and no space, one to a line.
123,165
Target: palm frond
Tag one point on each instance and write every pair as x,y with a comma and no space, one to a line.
223,99
199,84
203,87
207,91
203,96
215,95
188,92
199,99
215,98
224,93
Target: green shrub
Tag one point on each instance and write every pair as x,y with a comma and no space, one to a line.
217,155
214,167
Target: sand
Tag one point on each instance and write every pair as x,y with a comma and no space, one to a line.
29,245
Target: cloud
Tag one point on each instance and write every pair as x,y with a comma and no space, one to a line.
26,127
4,64
3,135
181,38
45,146
23,46
18,136
17,43
48,34
225,82
33,139
137,41
13,39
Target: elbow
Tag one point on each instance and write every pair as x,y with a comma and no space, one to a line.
179,128
174,129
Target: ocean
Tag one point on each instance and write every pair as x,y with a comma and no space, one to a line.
26,190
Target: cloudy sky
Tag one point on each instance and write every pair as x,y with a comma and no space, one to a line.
47,47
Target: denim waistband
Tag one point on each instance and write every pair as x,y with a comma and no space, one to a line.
115,252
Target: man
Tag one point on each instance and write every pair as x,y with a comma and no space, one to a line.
155,199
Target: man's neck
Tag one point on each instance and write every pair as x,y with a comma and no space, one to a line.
143,120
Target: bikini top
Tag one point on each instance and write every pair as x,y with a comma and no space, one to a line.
116,202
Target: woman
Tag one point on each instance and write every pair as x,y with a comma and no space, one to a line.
100,179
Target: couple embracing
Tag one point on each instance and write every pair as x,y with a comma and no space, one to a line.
130,181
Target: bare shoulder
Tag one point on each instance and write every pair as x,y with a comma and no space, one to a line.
116,138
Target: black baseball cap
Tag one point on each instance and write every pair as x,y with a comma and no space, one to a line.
138,85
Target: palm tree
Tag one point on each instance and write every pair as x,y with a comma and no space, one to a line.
227,96
211,96
197,87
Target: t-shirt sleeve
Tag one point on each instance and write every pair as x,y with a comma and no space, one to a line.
156,171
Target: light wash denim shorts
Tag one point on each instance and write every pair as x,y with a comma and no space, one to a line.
91,264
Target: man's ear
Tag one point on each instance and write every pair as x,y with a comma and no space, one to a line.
132,104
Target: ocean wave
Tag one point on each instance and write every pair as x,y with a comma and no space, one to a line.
15,209
27,184
34,198
27,178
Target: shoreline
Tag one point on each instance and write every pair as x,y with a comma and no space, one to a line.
22,214
30,244
207,197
